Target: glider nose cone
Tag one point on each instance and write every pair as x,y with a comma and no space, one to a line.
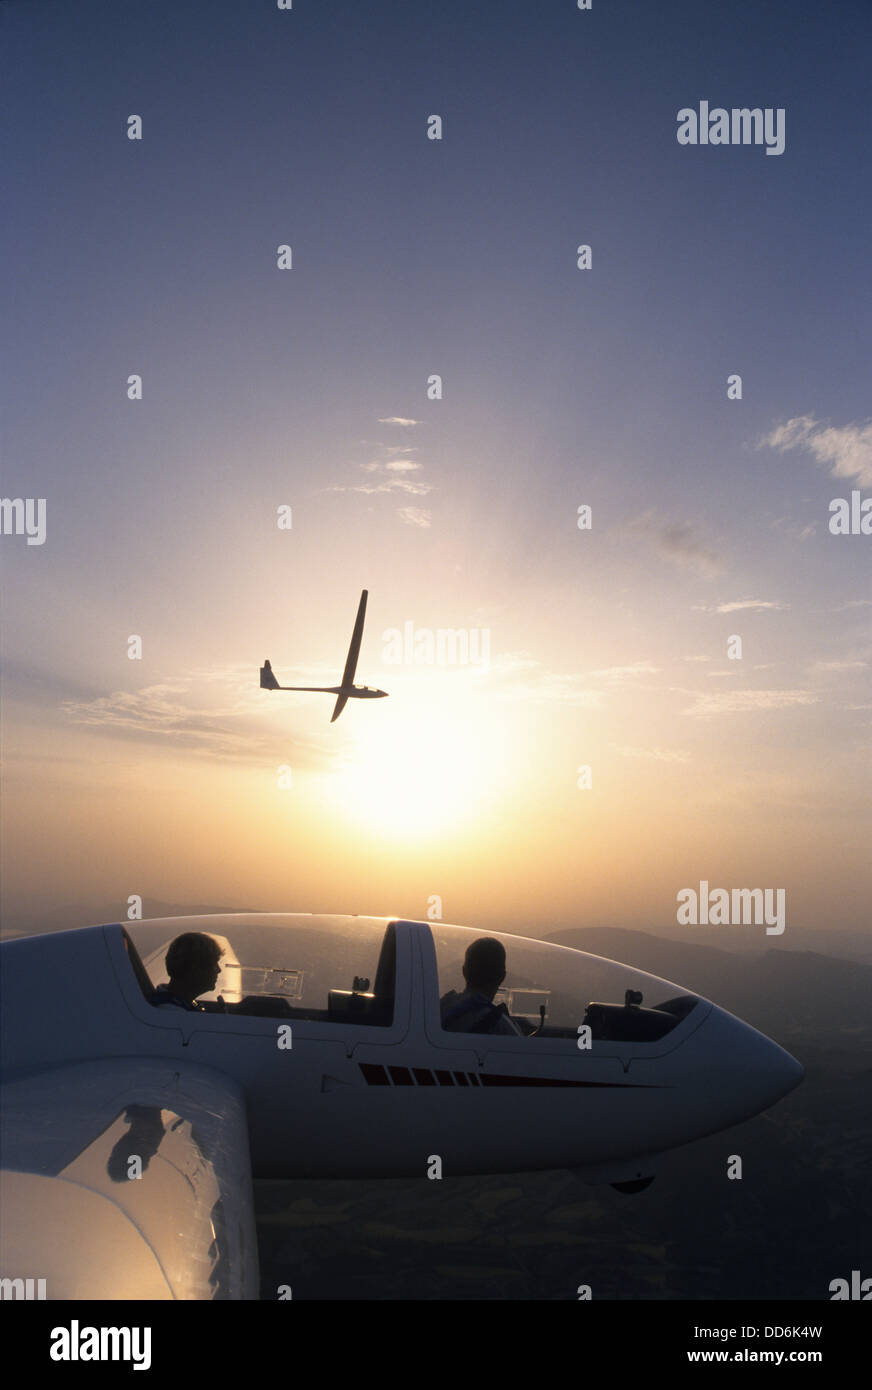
777,1073
749,1070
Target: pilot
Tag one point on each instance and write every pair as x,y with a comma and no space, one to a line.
193,964
474,1011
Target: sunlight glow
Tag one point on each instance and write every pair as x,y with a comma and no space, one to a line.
433,766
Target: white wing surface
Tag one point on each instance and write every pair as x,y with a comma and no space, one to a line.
127,1179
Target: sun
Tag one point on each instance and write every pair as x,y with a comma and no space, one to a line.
426,767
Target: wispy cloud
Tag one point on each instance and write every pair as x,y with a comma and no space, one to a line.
659,755
677,541
524,678
710,703
620,675
396,420
839,665
845,449
790,528
389,474
517,676
737,605
391,466
386,478
174,712
415,516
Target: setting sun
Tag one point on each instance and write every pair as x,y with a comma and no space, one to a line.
433,766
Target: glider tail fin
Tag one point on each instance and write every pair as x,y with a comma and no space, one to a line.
267,679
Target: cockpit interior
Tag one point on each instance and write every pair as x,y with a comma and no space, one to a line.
343,970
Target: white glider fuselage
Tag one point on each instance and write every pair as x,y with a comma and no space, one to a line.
346,1078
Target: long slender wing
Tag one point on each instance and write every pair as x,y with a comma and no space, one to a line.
354,649
341,702
128,1179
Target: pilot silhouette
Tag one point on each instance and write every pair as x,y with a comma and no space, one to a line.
473,1011
193,964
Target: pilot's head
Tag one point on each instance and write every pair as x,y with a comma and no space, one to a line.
484,966
193,964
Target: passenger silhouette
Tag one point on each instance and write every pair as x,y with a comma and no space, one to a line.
473,1011
193,964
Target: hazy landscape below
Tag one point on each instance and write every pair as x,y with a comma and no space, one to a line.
800,1217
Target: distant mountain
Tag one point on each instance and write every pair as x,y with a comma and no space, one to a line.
77,915
781,992
849,945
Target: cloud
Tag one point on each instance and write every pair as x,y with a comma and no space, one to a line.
391,466
395,484
660,755
845,449
853,603
839,665
396,420
789,528
414,516
677,541
173,712
387,475
737,605
151,713
619,675
518,676
708,704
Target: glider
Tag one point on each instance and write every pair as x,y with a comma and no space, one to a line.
347,690
326,1049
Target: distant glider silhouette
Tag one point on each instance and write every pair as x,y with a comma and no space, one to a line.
347,690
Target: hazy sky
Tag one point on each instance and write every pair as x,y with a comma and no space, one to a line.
561,387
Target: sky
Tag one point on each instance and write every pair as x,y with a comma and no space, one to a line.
609,647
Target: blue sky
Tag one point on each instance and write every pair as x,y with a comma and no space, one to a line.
561,387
